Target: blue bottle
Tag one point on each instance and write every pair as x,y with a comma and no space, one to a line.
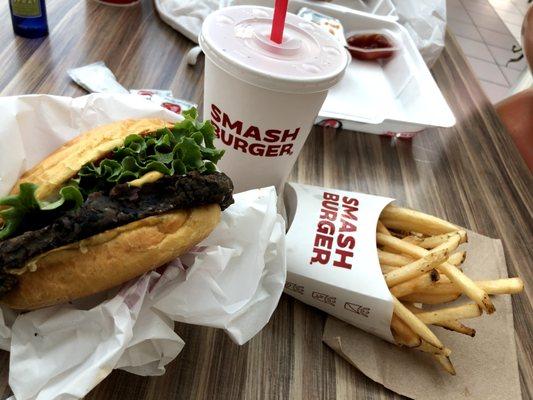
29,18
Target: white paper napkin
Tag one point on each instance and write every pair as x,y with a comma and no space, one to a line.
187,16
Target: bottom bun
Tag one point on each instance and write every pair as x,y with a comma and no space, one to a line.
110,258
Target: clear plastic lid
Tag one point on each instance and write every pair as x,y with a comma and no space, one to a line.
237,39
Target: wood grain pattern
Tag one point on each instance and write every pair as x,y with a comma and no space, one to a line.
470,174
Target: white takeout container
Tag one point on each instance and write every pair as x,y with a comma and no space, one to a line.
398,95
383,8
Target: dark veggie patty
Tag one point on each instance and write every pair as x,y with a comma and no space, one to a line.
103,211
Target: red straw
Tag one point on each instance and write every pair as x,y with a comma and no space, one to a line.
278,22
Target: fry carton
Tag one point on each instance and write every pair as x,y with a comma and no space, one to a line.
332,260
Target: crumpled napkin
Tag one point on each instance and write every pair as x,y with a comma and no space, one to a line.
187,16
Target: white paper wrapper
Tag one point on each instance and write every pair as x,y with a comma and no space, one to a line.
332,260
232,280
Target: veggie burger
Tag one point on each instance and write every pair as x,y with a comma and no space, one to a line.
108,206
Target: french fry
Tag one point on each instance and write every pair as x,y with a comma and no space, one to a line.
414,285
383,229
458,258
410,220
391,250
431,260
412,239
502,286
416,324
424,284
460,312
446,363
403,335
385,269
428,298
437,240
454,239
497,286
395,260
400,246
427,348
421,283
465,283
468,287
442,289
414,269
454,325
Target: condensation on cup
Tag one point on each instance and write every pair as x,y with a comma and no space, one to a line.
263,97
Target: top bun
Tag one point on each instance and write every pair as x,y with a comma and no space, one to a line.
63,164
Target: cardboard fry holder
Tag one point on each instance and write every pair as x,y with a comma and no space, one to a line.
332,260
332,264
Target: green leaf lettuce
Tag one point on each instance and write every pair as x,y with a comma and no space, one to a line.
185,147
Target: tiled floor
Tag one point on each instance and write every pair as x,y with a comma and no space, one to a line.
512,13
486,31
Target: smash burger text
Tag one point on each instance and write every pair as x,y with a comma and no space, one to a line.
250,139
335,232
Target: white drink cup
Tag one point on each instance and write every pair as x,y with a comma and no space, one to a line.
263,97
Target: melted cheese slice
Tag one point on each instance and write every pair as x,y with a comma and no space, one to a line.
149,177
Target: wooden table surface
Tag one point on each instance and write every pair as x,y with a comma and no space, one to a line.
471,174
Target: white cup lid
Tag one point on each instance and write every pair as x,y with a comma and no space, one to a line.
237,39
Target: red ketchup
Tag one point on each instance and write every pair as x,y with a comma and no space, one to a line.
374,46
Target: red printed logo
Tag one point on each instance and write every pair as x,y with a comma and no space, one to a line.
324,298
250,139
335,231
